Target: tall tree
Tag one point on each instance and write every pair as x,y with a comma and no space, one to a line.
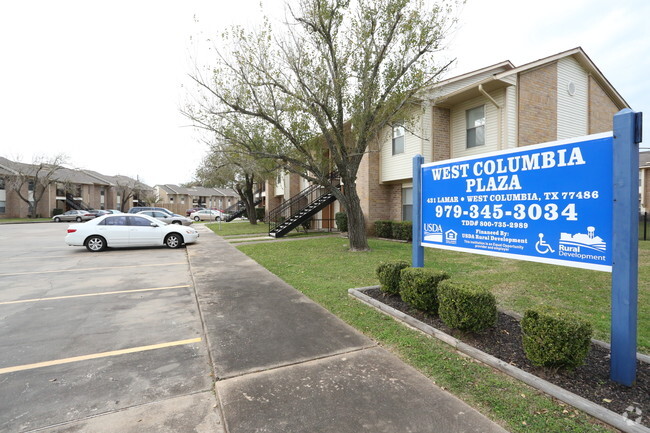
327,86
32,181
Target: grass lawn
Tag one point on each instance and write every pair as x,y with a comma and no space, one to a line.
236,228
242,228
22,220
324,269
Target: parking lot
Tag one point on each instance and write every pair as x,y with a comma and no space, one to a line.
108,341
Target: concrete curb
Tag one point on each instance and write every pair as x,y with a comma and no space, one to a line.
603,414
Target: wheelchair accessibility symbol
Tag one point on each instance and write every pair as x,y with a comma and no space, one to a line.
542,247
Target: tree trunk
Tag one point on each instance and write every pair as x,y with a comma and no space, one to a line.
248,197
356,221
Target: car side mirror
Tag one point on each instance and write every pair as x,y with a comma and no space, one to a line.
153,225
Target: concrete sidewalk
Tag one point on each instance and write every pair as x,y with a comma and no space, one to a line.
285,364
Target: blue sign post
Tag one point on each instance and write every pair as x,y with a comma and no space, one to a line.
552,203
627,136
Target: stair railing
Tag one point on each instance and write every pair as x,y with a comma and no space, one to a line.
296,203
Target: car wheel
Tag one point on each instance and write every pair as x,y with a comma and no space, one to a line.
196,218
78,219
174,240
176,222
57,220
95,244
217,219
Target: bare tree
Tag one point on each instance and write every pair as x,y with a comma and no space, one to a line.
32,181
128,188
228,164
327,86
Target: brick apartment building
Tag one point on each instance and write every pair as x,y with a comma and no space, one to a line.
72,189
498,107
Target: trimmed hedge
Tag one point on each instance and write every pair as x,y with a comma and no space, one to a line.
384,229
341,221
419,288
467,307
389,275
555,338
260,213
403,230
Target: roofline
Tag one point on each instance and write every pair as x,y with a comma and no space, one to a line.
9,169
586,62
506,63
108,182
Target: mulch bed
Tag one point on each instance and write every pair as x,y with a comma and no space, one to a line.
590,381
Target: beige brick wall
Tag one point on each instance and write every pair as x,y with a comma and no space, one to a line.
538,105
378,201
441,133
15,207
272,201
601,109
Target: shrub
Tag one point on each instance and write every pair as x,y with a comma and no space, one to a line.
555,338
384,229
419,288
341,221
56,212
403,230
260,213
466,307
389,275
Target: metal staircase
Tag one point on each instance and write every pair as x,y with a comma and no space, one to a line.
298,209
75,204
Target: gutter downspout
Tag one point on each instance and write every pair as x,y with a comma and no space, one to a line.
499,126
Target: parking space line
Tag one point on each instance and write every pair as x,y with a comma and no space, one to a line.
89,269
97,356
118,292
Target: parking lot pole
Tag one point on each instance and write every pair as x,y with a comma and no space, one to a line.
417,256
625,253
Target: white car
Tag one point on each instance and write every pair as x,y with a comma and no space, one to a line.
207,215
128,230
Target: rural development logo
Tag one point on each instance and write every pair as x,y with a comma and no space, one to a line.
583,245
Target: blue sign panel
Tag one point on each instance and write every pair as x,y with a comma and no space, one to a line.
549,203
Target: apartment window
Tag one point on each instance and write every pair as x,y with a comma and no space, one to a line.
3,207
171,200
475,126
398,139
30,185
407,204
2,183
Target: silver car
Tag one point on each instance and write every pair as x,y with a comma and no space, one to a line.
207,215
74,215
169,219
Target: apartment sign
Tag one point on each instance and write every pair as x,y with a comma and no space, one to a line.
549,203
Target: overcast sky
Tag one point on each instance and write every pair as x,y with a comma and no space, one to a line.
104,81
